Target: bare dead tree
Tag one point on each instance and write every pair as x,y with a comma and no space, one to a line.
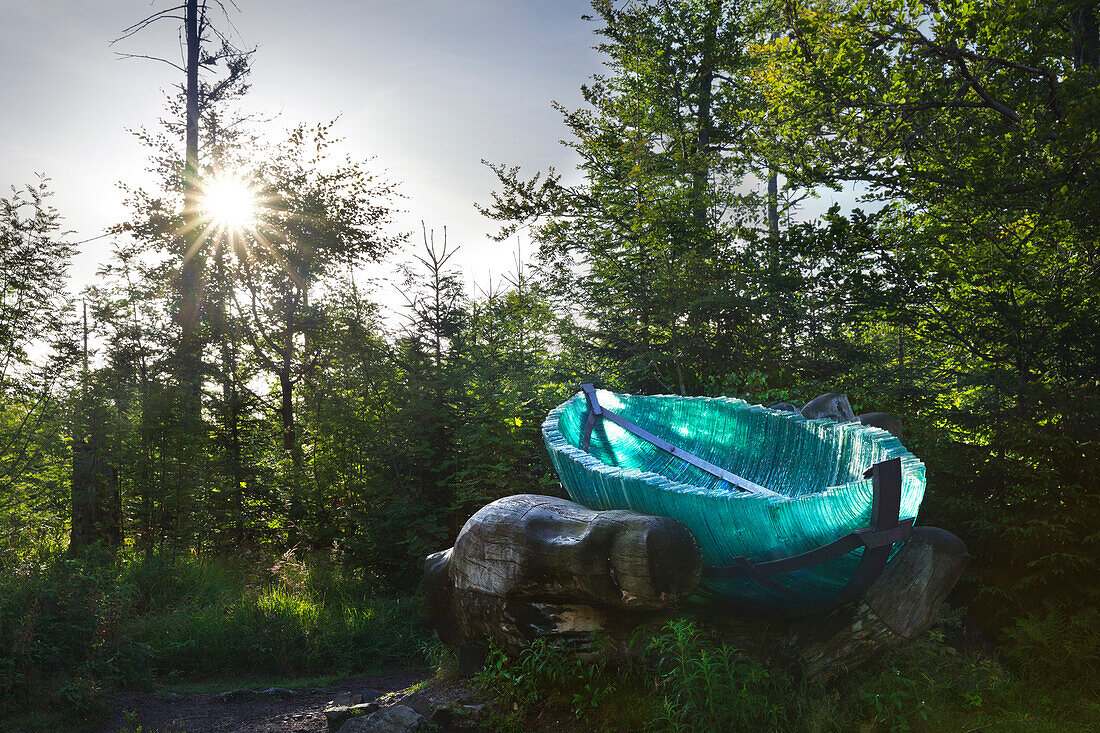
200,91
214,66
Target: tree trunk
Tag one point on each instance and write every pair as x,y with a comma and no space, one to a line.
227,337
96,510
146,473
773,209
286,396
703,127
1086,38
96,503
190,355
528,565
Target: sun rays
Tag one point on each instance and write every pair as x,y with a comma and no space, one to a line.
230,203
234,213
230,211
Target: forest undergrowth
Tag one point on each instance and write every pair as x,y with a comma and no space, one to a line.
686,679
73,628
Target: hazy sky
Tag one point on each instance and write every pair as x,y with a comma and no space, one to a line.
428,87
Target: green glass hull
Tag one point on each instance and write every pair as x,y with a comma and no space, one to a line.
815,466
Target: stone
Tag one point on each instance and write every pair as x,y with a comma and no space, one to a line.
346,698
277,692
337,715
241,693
230,695
418,701
456,715
784,406
468,716
394,719
442,717
833,405
883,420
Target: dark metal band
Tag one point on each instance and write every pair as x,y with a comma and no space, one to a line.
876,541
868,537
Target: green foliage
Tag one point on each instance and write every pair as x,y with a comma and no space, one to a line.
73,626
37,354
689,680
971,122
641,248
441,658
709,686
965,304
1058,643
545,674
897,702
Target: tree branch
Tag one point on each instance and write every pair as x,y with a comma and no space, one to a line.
123,56
148,21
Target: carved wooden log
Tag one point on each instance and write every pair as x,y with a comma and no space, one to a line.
900,606
529,566
834,405
883,420
525,566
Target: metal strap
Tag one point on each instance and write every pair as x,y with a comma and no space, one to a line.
867,537
876,540
596,410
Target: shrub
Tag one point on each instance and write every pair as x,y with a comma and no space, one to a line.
1058,644
709,686
73,625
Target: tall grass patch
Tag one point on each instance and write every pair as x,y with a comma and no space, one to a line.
686,679
71,626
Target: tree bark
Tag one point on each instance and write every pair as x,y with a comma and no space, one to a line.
190,356
95,498
704,124
1086,38
286,395
773,210
96,506
898,607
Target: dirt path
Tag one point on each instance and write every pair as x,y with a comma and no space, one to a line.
269,711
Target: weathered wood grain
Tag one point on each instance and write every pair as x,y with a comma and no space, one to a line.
527,565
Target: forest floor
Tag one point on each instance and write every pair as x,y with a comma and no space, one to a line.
268,710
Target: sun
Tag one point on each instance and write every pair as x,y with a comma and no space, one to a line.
229,202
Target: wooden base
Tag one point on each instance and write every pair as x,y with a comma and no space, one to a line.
527,566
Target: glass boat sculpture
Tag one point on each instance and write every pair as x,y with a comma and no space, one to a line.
789,512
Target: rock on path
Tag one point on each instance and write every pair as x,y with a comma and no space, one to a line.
271,710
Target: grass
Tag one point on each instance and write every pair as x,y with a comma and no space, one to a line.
71,628
689,681
216,684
